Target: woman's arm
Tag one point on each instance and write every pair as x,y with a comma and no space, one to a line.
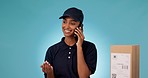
82,67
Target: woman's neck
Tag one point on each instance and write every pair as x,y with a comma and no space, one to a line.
70,41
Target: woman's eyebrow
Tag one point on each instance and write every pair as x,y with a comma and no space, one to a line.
73,20
64,19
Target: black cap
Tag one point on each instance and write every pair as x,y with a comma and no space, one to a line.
74,13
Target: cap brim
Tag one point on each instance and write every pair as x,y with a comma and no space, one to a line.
62,17
66,15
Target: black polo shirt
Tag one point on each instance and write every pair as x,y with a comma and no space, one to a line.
63,58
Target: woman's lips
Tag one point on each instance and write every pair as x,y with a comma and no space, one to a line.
67,31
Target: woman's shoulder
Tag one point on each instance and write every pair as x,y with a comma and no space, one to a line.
56,45
88,43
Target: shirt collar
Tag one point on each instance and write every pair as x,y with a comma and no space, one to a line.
63,42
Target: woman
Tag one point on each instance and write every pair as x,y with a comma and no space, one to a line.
72,57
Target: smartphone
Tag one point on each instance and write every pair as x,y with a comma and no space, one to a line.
81,25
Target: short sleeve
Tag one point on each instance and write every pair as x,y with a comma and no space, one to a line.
49,58
91,57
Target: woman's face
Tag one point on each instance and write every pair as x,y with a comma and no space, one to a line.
68,26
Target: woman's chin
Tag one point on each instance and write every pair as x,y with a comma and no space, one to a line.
66,35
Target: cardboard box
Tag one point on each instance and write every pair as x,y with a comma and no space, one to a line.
125,61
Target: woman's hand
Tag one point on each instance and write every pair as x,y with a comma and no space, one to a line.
79,33
47,68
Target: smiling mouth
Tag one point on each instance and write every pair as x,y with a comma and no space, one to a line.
67,31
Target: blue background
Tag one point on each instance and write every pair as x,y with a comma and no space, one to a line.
29,27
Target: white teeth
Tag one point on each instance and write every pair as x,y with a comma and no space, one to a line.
67,31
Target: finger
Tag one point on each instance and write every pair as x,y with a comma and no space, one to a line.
41,66
77,34
48,68
51,67
44,62
47,63
44,66
43,70
80,33
81,29
77,30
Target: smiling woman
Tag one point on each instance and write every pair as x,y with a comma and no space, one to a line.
29,27
72,57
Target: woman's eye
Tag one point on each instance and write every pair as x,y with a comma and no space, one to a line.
64,22
73,23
